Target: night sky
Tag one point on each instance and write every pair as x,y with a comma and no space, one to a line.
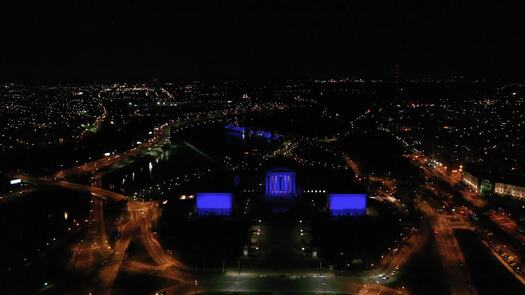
143,40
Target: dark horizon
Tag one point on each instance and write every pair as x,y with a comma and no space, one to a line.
259,40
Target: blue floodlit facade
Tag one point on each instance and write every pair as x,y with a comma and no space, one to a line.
347,204
235,128
280,183
214,203
251,132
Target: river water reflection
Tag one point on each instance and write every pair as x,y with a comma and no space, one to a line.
180,165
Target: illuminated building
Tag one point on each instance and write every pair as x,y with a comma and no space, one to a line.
347,204
510,190
214,203
485,188
235,128
15,181
471,181
280,182
243,131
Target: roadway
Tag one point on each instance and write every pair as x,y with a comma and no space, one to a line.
136,224
352,164
17,194
127,228
160,135
447,247
250,283
451,256
93,190
507,224
87,252
390,266
452,180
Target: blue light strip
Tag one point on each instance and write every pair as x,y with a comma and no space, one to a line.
259,133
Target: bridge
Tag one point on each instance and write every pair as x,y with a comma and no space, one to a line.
93,190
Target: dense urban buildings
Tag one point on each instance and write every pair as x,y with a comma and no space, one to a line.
506,189
243,186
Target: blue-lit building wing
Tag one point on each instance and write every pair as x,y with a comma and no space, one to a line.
214,203
347,204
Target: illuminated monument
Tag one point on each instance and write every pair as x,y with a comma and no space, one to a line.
347,204
244,131
280,182
214,203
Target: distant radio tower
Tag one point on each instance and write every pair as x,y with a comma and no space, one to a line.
396,74
396,81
